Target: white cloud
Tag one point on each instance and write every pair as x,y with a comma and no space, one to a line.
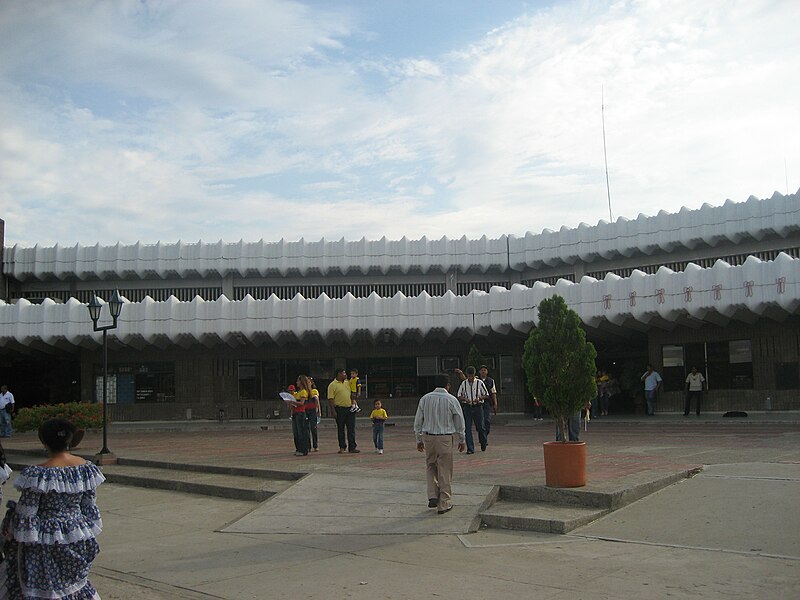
257,119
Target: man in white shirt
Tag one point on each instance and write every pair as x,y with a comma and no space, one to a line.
694,388
472,394
438,421
652,381
6,410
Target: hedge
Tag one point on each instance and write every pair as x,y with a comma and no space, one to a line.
83,416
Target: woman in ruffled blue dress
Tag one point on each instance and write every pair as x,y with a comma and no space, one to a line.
50,533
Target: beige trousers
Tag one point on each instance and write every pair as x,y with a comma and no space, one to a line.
439,462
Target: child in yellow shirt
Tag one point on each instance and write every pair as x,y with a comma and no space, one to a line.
378,417
355,391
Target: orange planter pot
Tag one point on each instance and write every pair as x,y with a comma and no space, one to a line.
565,464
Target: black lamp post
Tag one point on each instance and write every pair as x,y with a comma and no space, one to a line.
115,308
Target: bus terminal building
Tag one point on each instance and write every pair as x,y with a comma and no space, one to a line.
210,326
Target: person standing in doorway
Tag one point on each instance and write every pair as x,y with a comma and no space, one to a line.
490,404
652,381
6,411
472,394
437,424
695,382
341,401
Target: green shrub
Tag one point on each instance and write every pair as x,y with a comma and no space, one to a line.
559,362
83,416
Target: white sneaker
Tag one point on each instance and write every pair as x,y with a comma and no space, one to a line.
380,451
355,408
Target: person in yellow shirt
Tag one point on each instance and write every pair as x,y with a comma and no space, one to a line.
300,431
340,401
378,416
355,391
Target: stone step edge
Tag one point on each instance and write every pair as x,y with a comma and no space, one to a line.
588,498
215,469
201,489
174,466
539,524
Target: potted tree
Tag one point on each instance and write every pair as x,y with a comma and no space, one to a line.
560,367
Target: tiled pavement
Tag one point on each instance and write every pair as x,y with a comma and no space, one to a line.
620,452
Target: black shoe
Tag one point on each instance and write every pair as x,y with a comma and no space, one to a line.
470,451
448,509
433,502
354,451
685,414
483,448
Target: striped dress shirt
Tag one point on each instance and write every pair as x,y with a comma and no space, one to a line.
439,413
472,391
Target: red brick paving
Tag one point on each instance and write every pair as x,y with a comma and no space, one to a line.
616,451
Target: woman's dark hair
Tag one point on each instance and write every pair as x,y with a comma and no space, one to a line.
57,434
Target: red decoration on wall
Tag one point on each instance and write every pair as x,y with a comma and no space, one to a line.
748,288
717,291
660,295
632,298
687,294
781,282
607,301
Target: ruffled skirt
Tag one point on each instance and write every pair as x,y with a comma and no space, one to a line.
57,572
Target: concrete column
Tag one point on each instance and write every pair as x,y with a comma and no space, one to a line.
227,286
451,282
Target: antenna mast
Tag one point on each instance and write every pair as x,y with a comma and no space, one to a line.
605,153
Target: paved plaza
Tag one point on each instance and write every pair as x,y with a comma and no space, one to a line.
356,526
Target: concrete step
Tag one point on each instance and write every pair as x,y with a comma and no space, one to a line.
240,484
544,517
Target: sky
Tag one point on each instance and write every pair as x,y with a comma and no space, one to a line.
126,121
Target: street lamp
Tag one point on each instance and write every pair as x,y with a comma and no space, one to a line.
105,456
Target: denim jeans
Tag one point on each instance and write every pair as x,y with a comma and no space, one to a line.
650,396
377,435
5,423
300,432
488,410
573,429
312,428
473,413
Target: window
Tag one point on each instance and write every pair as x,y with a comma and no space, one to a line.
137,383
427,366
249,381
719,366
740,356
674,370
450,362
787,376
726,365
505,380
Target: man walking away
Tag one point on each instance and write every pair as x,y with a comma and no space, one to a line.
339,399
438,421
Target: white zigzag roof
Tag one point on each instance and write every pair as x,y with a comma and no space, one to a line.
747,292
645,235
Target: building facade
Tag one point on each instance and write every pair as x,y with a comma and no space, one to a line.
213,327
